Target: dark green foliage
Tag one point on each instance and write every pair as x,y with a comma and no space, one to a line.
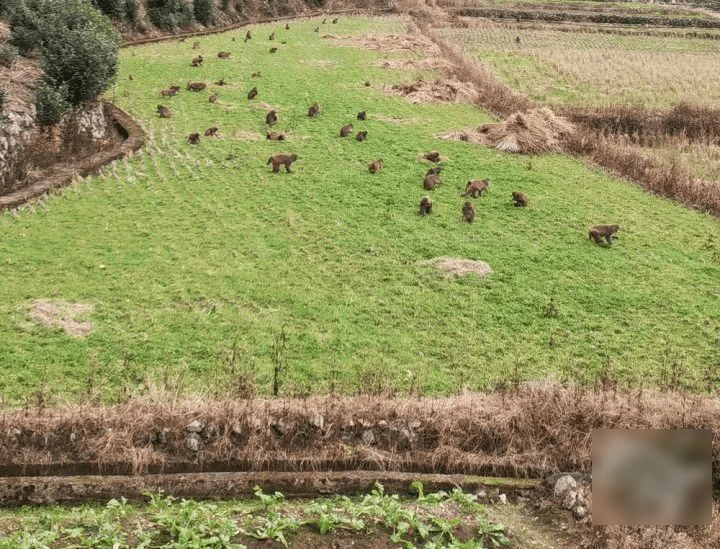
7,7
8,55
224,5
51,101
25,25
166,14
2,98
131,9
204,11
111,8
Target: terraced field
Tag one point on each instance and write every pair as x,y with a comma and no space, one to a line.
205,272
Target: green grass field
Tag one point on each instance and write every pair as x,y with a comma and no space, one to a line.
197,258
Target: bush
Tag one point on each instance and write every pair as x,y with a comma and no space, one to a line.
2,98
204,11
111,8
8,55
8,6
51,101
25,26
224,5
166,14
131,9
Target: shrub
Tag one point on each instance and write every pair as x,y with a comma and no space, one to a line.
2,98
166,14
25,26
224,5
203,11
111,8
8,55
51,101
131,9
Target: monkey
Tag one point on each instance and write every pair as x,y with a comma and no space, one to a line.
361,136
278,159
476,188
425,205
221,82
434,170
248,36
257,74
181,40
196,86
376,166
224,55
431,181
273,50
271,118
346,130
275,136
196,45
169,92
517,39
197,61
519,199
324,21
313,110
233,39
176,88
287,26
317,29
361,115
130,77
334,21
211,132
433,156
252,93
367,83
213,98
164,112
468,212
194,138
597,232
272,36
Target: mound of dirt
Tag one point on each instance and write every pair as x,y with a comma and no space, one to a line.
437,63
531,132
60,314
442,90
462,267
389,42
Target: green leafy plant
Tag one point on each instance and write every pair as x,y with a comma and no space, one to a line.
203,10
52,101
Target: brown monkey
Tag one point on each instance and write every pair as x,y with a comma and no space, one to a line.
221,82
181,40
434,170
334,21
224,55
169,92
598,231
275,136
197,61
194,138
317,29
272,36
517,39
361,115
476,188
130,77
431,181
252,93
519,198
468,212
273,50
164,112
346,130
176,88
196,45
211,132
361,136
433,156
324,21
367,84
377,165
196,86
248,36
313,110
271,118
287,26
426,205
257,74
213,98
279,159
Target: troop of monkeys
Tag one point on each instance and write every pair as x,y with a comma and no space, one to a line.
474,188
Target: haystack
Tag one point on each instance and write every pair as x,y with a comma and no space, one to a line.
442,90
531,132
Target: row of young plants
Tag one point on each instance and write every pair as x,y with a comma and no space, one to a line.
430,520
